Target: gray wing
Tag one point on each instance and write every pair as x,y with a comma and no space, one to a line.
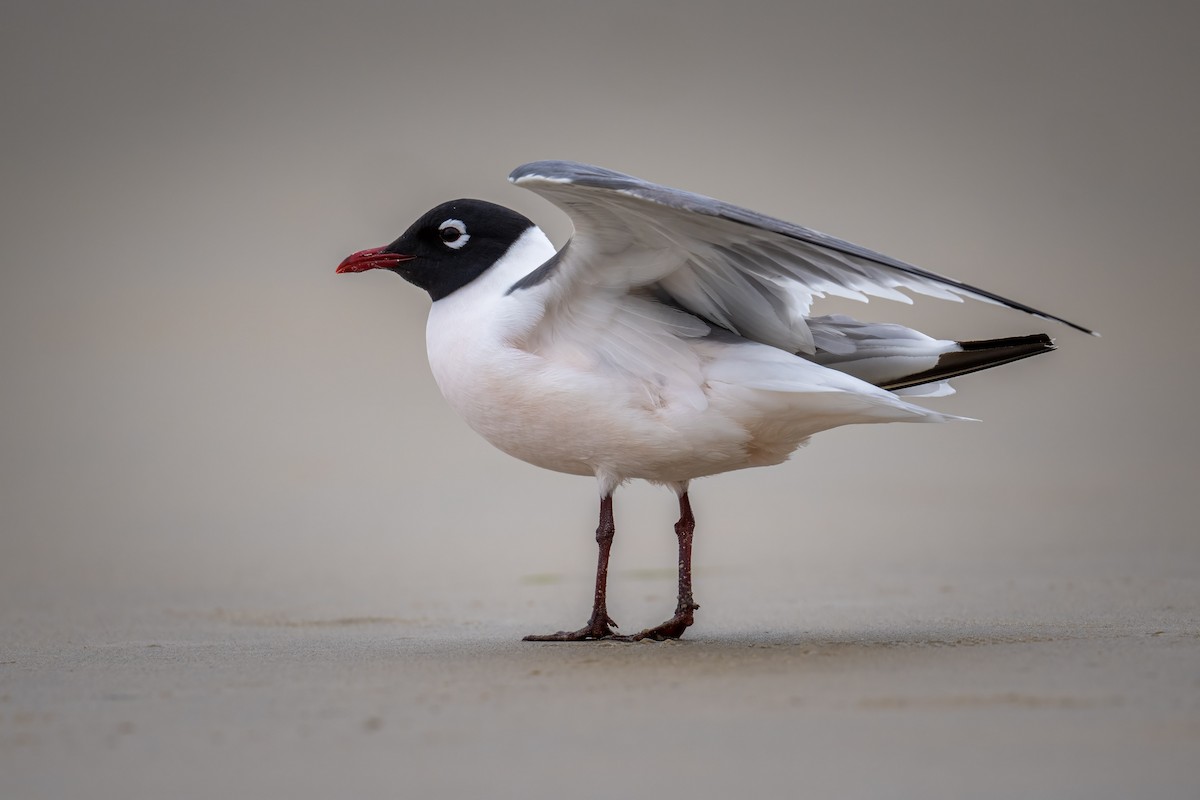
747,272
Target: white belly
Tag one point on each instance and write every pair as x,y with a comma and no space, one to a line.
579,423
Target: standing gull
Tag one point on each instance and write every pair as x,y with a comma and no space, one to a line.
669,339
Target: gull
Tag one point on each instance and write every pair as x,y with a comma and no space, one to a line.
670,339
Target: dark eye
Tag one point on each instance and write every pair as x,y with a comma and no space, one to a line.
454,233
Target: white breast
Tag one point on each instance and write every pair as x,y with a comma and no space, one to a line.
497,387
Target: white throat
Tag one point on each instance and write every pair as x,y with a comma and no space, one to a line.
483,314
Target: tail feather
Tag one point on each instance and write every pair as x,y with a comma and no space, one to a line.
973,357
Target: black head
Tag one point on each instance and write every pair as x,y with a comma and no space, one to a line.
448,247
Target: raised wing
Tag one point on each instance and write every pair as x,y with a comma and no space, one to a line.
747,272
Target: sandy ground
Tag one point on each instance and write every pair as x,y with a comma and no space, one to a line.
1075,677
247,551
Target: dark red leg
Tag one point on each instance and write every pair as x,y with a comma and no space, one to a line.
676,625
598,625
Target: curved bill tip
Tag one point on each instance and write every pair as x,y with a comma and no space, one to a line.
375,258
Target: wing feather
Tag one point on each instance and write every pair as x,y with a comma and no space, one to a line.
750,273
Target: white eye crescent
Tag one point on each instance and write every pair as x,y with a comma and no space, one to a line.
454,233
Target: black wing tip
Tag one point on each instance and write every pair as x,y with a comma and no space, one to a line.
976,356
1031,341
1060,320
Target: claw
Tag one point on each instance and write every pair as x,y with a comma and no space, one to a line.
593,631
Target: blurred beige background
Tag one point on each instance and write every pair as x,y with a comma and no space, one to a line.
201,422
